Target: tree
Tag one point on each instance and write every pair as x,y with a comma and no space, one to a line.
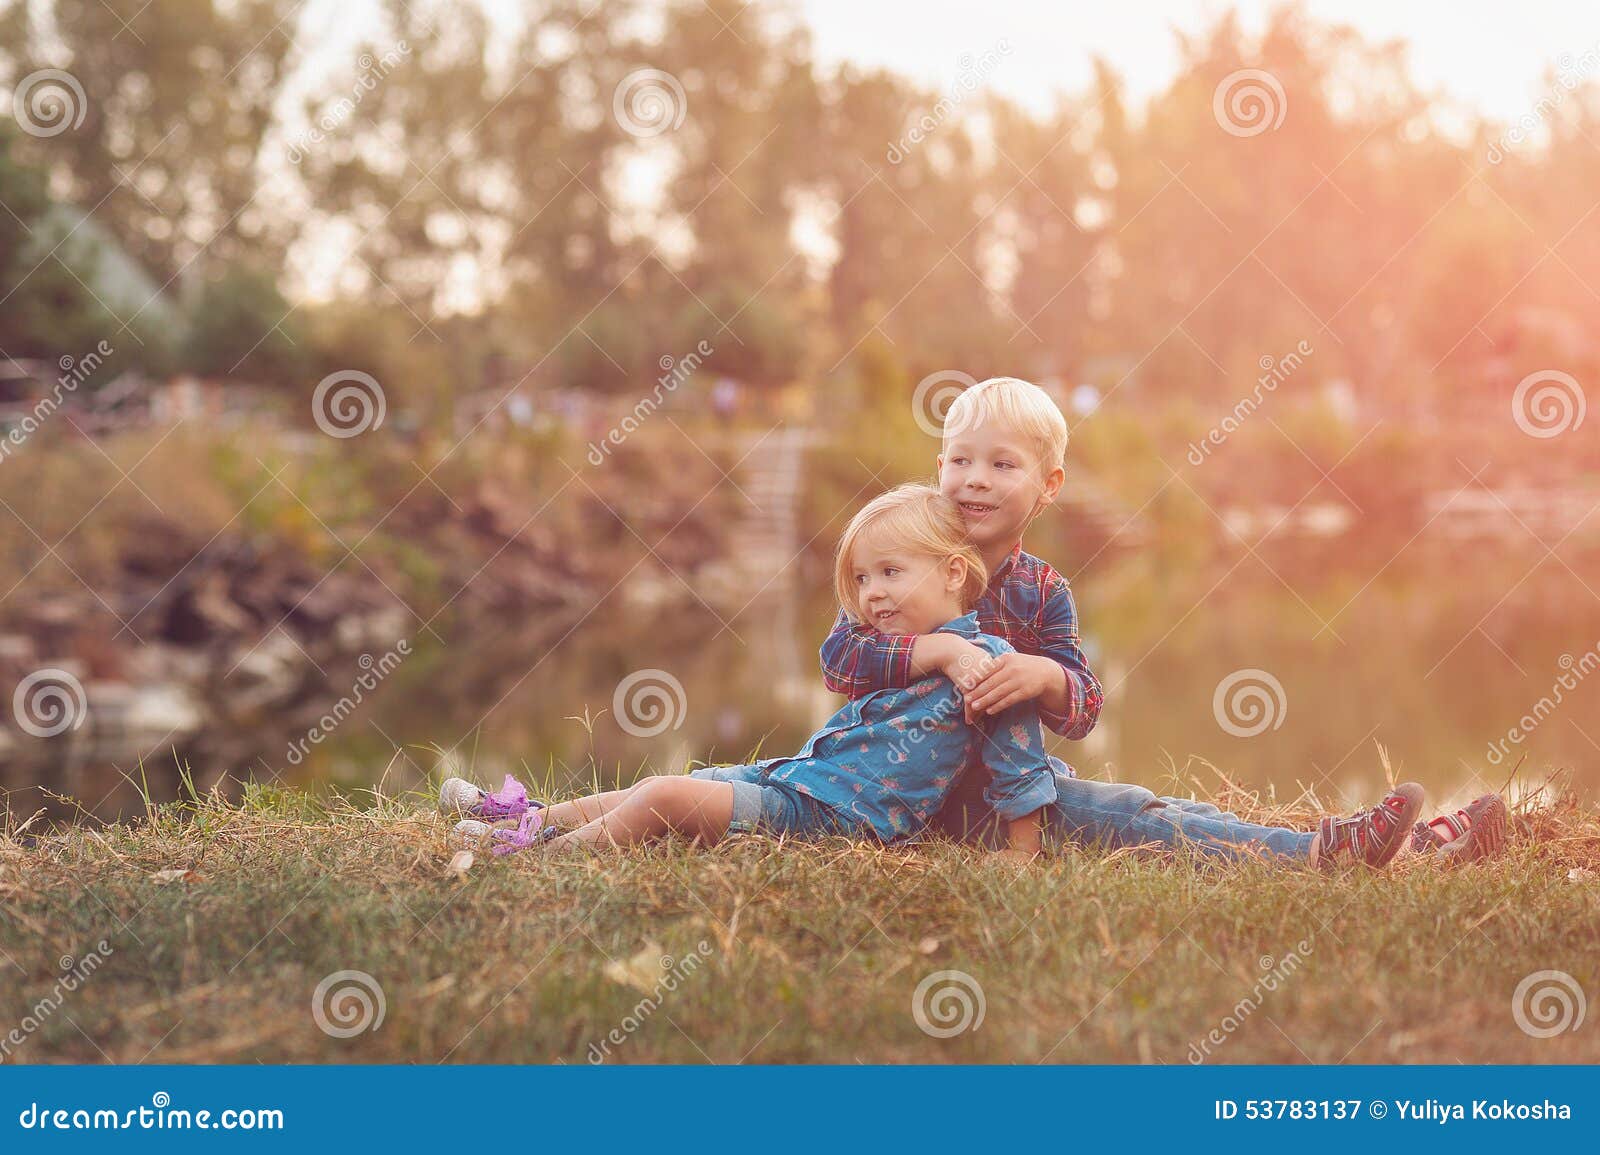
177,101
240,326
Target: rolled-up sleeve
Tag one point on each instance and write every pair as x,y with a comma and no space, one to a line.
1020,778
1058,641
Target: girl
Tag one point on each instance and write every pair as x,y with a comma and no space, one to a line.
878,770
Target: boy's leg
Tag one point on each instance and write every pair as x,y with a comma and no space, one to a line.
966,816
654,807
1117,815
1196,807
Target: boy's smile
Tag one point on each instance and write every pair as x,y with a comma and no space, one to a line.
999,483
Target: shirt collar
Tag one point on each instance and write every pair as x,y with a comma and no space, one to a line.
1006,566
965,626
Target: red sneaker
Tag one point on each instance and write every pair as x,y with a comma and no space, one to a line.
1370,836
1469,835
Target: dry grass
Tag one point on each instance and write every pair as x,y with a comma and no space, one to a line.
810,953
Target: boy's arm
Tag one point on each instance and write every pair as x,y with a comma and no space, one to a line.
1058,678
1074,712
857,659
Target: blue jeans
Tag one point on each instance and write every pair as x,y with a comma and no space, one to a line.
1115,815
1106,815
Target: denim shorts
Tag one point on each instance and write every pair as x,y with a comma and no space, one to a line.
763,807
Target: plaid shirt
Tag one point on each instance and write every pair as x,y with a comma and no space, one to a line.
1027,603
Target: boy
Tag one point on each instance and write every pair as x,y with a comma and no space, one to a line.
1002,462
876,771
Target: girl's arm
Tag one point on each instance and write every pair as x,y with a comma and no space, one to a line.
1021,783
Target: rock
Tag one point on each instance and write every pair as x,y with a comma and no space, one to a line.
159,662
203,611
266,673
160,710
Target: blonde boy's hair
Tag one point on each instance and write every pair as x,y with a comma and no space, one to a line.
1014,404
927,523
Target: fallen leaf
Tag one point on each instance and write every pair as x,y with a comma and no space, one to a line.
163,877
460,862
643,971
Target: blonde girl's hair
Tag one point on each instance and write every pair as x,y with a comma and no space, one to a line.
1016,405
924,522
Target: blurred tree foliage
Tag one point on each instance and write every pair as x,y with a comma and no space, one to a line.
846,228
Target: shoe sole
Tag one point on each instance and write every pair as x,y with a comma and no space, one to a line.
1485,838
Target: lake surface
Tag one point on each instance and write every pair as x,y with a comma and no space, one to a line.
1283,670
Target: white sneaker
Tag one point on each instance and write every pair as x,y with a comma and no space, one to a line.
458,796
470,834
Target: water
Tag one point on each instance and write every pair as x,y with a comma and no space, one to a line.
1454,662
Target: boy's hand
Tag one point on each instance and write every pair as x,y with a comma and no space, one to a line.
964,663
1014,678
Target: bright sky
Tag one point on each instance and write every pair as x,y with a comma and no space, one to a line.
1490,54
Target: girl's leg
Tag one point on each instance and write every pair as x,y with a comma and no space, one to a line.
584,810
657,806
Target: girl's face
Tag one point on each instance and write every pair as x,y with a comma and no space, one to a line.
899,591
999,483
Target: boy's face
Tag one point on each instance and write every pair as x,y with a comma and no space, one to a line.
998,481
900,592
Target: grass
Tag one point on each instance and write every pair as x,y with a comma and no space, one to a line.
776,952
